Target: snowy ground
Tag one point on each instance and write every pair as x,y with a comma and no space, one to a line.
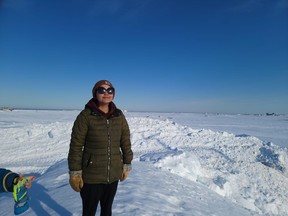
185,164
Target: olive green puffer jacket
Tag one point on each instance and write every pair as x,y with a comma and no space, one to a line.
100,146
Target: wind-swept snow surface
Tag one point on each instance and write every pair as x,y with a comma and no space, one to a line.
177,170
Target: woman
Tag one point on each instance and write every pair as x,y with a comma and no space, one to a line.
100,151
18,184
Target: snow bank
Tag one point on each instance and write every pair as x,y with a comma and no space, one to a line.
244,169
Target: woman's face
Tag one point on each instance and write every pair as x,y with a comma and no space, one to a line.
105,94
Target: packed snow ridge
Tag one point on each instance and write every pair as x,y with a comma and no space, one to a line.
242,168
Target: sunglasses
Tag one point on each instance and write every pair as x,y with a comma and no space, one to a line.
102,90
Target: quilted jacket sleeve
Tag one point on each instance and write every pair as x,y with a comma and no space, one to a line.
126,142
77,142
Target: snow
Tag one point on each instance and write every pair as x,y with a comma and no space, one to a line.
185,163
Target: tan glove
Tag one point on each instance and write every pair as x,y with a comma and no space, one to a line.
76,181
126,169
124,175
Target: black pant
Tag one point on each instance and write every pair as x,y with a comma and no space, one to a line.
91,194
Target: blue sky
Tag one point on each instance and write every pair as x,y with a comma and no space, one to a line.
223,56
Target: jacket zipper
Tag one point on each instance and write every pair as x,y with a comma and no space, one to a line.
109,149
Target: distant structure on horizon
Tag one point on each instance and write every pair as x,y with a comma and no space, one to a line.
271,114
6,109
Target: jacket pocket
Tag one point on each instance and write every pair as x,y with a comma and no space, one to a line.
87,160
